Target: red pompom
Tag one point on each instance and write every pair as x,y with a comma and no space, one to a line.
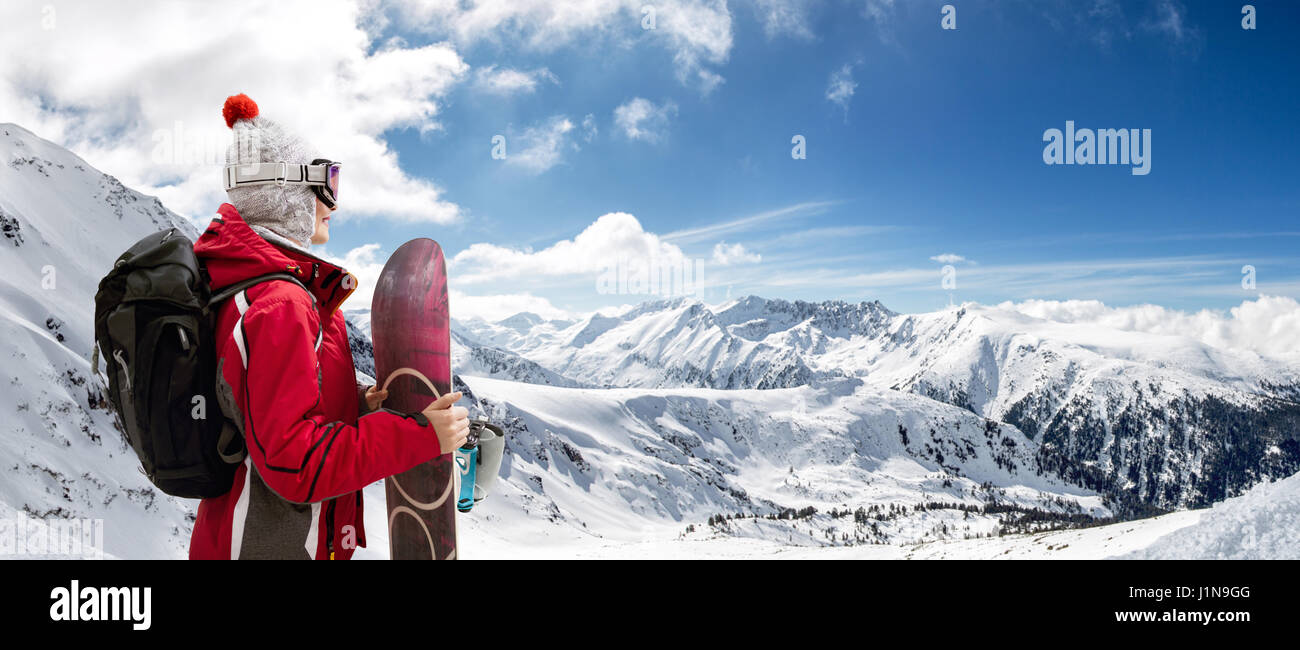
238,107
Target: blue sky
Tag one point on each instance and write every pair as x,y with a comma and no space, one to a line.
937,151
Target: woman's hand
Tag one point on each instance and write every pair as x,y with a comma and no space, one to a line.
375,398
450,423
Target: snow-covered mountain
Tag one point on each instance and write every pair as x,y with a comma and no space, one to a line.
1152,421
745,427
655,457
468,357
1166,421
751,344
64,223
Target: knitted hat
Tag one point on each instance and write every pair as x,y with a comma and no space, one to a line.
287,212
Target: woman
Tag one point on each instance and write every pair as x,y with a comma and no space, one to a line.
285,374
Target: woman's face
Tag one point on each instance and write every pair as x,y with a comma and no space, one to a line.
322,233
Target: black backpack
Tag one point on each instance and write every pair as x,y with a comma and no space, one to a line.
155,317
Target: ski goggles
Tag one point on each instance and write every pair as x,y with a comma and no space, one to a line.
321,175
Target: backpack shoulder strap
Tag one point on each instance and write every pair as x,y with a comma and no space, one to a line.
230,291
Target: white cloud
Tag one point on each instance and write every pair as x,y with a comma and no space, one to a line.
540,147
881,12
809,237
784,17
641,119
841,87
1109,22
122,78
612,239
366,263
1170,21
699,32
948,258
1268,326
725,254
708,80
878,9
493,308
1127,280
1167,19
743,224
589,129
696,32
509,81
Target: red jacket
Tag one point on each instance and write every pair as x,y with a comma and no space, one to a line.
285,374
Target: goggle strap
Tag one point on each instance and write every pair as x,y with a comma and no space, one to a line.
279,173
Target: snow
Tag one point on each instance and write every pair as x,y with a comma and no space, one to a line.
629,429
1259,525
619,462
1263,524
63,456
1085,387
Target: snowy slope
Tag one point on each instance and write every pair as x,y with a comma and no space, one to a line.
64,224
625,472
617,462
1263,524
482,540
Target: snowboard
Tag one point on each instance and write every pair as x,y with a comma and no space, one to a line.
411,333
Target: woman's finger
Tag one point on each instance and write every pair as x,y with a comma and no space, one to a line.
445,401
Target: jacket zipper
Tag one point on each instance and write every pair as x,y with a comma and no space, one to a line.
329,526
